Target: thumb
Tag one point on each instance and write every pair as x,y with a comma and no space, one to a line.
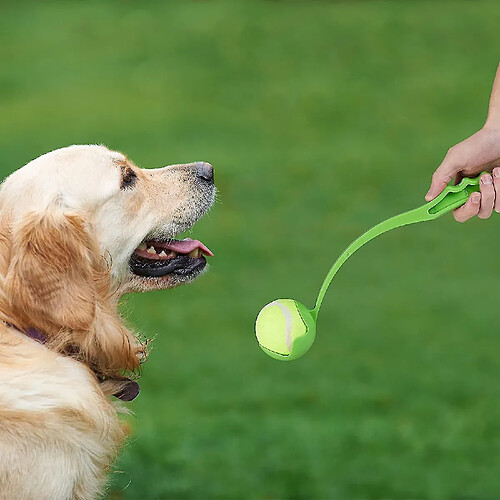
442,176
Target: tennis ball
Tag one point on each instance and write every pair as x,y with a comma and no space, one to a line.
285,329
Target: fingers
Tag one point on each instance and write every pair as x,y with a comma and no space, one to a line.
487,196
470,209
483,203
496,185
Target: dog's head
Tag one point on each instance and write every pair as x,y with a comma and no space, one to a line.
132,214
82,225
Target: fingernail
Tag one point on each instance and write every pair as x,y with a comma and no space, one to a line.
486,179
475,197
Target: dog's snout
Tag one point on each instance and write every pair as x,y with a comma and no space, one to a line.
205,171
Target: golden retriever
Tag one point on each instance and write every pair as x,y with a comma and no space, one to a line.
79,227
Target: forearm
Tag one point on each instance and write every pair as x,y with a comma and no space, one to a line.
493,119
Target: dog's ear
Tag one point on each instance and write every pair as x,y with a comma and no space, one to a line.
50,280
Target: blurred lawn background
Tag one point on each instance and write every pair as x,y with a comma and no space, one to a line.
321,119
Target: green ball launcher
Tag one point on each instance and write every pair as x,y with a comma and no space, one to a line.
286,329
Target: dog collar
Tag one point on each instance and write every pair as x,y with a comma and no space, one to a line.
130,389
32,333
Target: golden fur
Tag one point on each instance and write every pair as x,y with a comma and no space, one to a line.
59,430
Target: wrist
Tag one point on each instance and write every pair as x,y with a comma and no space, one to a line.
493,120
491,128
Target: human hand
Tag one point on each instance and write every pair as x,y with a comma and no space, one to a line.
480,152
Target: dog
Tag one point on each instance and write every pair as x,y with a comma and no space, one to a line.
80,227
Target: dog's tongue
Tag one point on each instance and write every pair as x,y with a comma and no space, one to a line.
187,246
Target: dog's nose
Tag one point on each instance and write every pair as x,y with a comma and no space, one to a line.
205,171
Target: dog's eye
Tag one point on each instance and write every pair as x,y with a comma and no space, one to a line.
128,177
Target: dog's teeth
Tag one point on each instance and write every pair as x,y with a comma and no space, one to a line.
142,246
195,253
151,250
163,254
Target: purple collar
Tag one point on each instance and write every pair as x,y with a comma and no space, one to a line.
32,334
128,393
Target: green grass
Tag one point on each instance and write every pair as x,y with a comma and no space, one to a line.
321,119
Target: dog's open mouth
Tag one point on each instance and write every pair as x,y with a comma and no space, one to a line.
154,259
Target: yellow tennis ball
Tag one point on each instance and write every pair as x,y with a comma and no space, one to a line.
285,329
